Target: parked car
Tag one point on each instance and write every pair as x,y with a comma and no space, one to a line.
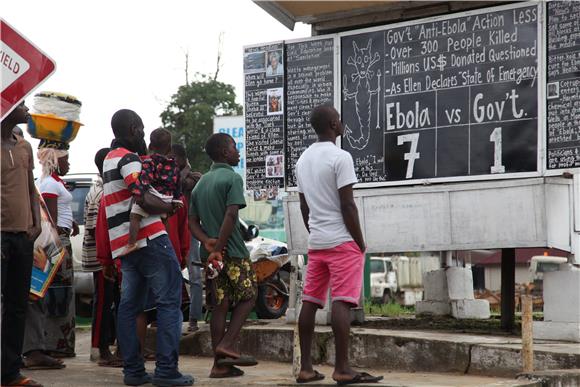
272,300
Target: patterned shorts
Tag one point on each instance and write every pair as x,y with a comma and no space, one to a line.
237,281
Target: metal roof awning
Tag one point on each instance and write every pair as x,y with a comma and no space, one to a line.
336,16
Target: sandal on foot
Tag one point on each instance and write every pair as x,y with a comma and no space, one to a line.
233,372
23,381
114,363
183,380
242,361
314,378
47,363
360,377
137,380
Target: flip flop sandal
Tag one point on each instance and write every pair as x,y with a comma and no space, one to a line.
61,355
183,380
24,381
232,373
114,363
361,377
43,365
242,361
314,378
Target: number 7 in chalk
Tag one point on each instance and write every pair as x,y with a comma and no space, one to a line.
412,155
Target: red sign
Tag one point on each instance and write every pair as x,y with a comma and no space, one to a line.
22,67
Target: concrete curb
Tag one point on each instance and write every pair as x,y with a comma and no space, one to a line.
399,350
553,378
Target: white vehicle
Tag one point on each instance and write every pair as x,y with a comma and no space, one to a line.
79,185
399,278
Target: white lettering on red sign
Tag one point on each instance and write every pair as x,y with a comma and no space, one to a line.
12,65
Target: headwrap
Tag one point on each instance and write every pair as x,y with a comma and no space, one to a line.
48,154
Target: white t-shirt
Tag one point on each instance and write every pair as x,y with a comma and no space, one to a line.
321,171
51,187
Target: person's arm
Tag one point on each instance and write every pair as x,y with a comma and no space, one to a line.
345,179
130,169
234,201
103,246
226,229
305,210
52,206
36,229
88,214
184,235
350,215
199,234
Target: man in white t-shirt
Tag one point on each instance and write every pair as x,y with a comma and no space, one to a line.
335,246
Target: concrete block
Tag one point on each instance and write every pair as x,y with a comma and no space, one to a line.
553,378
435,285
561,301
291,315
460,283
435,308
562,331
464,309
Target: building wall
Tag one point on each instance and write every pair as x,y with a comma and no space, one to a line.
493,276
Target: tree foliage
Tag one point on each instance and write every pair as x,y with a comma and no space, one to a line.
190,113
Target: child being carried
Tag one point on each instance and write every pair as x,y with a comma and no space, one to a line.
160,177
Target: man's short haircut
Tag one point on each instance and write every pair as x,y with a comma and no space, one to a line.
215,143
100,158
160,139
321,116
179,150
123,120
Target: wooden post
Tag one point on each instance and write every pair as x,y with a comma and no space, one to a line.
527,334
508,288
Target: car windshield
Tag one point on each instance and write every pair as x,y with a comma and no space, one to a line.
79,194
377,266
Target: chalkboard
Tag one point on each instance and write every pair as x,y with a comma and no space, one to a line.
309,83
563,85
264,114
443,98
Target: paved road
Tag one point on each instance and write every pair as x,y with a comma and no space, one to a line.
81,372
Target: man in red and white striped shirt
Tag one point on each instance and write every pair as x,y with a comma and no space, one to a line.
153,265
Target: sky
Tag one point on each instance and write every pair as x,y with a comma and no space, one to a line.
131,54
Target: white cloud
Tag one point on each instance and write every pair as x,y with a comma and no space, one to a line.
131,54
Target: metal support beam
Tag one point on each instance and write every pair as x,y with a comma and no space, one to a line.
508,288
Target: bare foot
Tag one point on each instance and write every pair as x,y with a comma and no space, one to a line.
129,249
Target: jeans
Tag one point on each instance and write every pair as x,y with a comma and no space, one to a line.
195,283
155,266
16,271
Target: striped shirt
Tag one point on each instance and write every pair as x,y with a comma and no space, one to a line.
121,171
92,201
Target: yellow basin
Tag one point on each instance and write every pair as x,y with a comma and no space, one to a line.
51,127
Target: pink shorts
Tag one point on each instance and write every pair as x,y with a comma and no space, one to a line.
342,266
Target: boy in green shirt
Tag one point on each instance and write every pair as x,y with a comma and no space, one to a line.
213,220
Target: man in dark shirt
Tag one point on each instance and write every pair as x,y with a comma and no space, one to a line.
20,227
